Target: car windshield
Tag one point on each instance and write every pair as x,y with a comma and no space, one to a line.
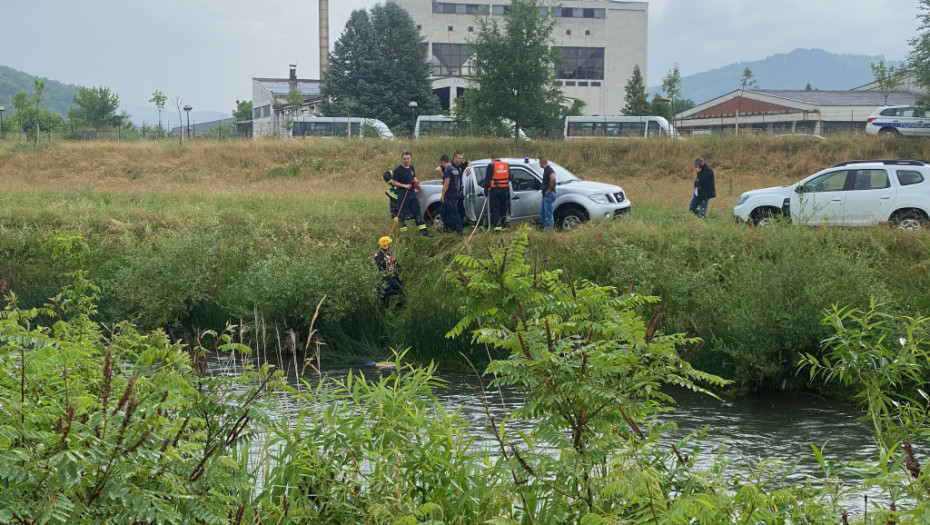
562,175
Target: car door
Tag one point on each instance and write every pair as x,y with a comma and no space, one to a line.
820,199
474,194
525,194
871,198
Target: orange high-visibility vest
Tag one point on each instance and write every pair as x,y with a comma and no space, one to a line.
501,178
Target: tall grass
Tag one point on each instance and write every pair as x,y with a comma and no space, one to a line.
201,232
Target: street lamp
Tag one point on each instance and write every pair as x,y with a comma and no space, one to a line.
188,108
2,131
413,120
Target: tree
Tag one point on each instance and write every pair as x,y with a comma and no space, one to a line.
159,99
919,58
96,107
888,78
661,107
513,70
21,104
242,116
748,81
671,86
377,67
37,97
636,101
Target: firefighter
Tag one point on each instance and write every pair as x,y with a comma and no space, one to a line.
391,285
392,195
404,180
497,179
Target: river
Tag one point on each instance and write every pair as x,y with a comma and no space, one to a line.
777,426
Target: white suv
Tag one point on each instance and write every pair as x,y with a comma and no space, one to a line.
854,193
892,120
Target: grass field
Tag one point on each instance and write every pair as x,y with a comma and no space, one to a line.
193,234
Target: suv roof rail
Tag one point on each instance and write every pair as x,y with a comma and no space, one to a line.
887,162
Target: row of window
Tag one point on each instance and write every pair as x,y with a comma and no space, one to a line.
263,111
580,83
450,8
858,180
576,63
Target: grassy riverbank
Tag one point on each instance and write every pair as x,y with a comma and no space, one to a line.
195,234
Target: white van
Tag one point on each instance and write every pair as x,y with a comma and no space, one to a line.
617,127
345,127
446,126
894,120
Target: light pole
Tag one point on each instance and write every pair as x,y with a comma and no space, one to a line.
2,131
413,120
188,108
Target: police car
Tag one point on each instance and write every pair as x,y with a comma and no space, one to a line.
894,120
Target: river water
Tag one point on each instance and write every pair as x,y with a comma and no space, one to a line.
776,426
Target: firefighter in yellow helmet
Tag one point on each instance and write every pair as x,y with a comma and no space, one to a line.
391,285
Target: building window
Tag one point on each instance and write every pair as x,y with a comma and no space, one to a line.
449,8
587,32
451,29
499,9
582,63
568,32
569,82
419,27
595,84
582,84
578,12
450,60
471,29
266,111
257,113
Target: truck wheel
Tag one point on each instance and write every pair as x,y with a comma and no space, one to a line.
764,217
570,217
909,220
434,212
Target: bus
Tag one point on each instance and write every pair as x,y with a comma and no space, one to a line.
338,127
617,127
446,126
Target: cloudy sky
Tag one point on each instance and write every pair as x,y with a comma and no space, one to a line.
207,51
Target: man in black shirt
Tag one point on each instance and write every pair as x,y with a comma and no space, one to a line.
452,193
405,180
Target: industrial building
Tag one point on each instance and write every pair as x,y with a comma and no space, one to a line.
270,112
600,42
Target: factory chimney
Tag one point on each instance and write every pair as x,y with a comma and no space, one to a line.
324,37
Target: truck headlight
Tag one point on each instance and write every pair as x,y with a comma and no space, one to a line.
742,199
599,198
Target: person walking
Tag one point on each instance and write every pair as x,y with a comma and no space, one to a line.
405,180
391,285
497,179
452,194
704,189
548,194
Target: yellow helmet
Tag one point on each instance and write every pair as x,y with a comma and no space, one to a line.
384,242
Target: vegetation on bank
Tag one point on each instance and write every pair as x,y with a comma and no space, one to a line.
193,235
123,427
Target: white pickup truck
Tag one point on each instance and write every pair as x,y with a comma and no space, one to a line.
853,193
576,202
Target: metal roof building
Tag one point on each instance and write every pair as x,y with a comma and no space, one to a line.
775,111
270,111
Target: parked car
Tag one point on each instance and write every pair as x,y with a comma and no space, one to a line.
577,201
894,120
853,193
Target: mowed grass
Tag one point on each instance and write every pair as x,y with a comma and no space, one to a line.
207,231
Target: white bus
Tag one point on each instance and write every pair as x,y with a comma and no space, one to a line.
617,127
446,126
346,127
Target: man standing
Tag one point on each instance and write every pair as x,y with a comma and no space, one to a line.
497,178
391,286
405,180
548,194
703,188
452,193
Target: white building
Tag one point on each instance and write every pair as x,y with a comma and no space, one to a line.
600,40
271,113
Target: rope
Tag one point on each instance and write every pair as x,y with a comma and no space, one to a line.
400,209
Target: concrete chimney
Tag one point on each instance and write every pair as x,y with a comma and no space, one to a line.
324,37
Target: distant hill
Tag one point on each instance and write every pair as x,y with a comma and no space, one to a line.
821,69
57,97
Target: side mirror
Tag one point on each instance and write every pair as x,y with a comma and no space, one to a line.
799,189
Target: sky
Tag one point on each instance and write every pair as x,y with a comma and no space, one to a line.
206,52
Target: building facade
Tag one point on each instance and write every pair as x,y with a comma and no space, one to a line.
777,112
600,42
271,114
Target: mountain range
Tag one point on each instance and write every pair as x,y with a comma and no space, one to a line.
795,70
